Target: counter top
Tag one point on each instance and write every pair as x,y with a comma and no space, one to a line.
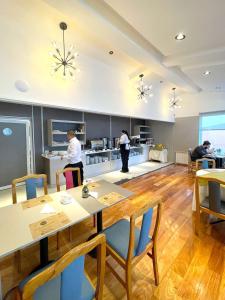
88,152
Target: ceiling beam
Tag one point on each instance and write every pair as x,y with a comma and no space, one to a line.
139,48
196,60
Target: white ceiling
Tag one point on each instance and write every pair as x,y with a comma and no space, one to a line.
141,33
159,21
202,22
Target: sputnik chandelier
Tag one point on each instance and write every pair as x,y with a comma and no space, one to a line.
64,60
174,101
144,91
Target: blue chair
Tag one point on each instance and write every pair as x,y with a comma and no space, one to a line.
128,244
205,163
32,182
66,279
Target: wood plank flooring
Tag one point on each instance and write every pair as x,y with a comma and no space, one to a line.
190,267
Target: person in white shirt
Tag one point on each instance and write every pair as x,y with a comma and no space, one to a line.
124,150
74,156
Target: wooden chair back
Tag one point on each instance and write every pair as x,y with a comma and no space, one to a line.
146,212
58,267
31,181
205,163
69,177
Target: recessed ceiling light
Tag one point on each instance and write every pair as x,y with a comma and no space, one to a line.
180,36
111,52
207,73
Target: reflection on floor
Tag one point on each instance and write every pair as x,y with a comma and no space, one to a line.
115,176
134,171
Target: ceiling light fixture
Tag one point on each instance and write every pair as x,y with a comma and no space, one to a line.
180,36
64,59
174,101
207,73
111,52
144,91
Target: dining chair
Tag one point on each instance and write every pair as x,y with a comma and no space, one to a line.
205,163
191,164
212,204
67,172
128,244
32,182
66,278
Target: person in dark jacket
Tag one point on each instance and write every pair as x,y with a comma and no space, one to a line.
124,150
200,151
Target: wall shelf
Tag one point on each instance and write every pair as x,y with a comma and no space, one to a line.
57,131
145,134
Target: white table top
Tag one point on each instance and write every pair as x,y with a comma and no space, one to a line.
15,232
208,171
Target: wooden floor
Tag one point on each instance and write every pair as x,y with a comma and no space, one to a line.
190,267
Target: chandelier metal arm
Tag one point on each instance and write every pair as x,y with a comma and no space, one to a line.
64,47
58,58
64,58
56,69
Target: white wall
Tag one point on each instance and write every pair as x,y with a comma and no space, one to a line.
193,104
27,29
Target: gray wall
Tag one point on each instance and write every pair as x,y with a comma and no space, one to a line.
98,125
118,124
178,136
186,132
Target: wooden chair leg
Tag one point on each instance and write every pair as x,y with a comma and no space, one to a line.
18,295
197,221
18,261
155,265
57,240
94,220
70,234
129,282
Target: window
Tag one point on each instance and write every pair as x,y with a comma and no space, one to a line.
212,128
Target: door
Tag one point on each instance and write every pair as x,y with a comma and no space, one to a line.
15,150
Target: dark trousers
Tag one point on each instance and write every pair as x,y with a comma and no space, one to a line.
75,175
124,158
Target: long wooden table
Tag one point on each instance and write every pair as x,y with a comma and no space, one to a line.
18,223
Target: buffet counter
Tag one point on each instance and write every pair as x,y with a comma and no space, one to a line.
95,162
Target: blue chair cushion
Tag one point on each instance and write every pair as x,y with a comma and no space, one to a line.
205,164
118,236
31,187
50,290
88,293
55,290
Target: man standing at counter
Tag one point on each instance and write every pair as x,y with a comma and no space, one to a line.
74,156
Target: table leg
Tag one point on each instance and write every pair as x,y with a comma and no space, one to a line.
93,253
44,252
99,222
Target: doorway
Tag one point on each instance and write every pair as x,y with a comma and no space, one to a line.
16,159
